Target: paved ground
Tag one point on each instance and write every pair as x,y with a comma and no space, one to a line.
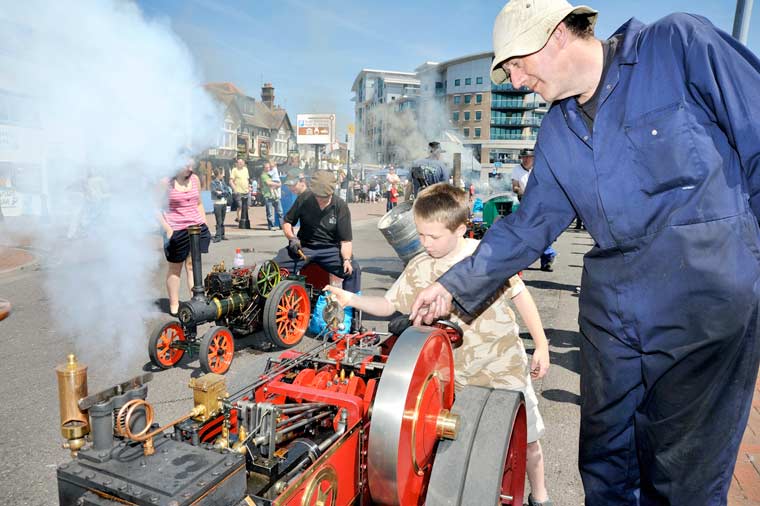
33,345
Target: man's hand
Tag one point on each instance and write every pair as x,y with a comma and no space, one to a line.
348,268
432,303
539,365
294,245
342,296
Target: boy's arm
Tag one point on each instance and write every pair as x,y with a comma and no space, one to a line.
378,306
529,313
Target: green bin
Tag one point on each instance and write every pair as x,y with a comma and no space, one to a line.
498,206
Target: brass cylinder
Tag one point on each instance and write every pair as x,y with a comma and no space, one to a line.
72,386
447,425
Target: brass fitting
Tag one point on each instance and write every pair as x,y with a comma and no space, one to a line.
447,425
208,391
72,386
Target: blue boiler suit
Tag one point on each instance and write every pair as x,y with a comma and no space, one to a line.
668,185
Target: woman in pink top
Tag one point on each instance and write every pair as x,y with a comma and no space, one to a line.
184,208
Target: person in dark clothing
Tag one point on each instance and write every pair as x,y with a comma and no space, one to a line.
652,139
325,235
220,193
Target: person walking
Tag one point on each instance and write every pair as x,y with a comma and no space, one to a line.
182,209
239,181
651,139
270,183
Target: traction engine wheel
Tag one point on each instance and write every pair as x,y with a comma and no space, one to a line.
217,349
286,314
267,277
485,465
160,349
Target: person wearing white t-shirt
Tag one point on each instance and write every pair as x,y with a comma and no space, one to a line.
520,176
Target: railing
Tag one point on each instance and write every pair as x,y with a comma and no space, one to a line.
513,104
503,136
508,87
516,121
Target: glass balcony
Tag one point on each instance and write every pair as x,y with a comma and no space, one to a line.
509,87
506,103
507,135
530,121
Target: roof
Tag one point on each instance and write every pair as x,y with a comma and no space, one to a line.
398,73
261,117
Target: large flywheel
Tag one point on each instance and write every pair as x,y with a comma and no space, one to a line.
410,414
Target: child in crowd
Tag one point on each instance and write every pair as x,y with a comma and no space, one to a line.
492,353
393,196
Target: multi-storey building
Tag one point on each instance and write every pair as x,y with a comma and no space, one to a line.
495,121
378,93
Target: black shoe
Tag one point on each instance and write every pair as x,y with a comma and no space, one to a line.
533,502
547,268
175,314
224,238
215,239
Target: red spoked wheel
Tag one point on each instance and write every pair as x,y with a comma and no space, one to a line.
286,314
217,349
162,345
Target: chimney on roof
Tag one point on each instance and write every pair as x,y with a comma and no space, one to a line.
267,95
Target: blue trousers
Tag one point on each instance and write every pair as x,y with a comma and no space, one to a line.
273,205
548,256
329,259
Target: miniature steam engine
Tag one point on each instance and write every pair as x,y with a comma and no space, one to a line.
360,419
239,302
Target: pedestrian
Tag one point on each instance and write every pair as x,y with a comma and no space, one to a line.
430,170
296,182
492,353
651,141
520,177
182,209
393,196
270,183
220,192
373,189
391,178
239,181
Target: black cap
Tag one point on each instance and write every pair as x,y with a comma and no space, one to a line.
527,152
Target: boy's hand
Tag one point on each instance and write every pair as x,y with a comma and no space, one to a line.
539,365
342,296
432,303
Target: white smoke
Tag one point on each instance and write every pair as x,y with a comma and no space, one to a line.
121,106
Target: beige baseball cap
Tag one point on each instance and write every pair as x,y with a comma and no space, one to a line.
524,27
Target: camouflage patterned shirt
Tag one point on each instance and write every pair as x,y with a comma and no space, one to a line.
492,353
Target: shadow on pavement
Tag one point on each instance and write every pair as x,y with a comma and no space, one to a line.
549,285
558,395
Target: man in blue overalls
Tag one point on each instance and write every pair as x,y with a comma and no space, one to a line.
653,140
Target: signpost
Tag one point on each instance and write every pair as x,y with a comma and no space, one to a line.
315,129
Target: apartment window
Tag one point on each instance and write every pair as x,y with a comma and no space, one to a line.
478,115
455,116
468,81
478,98
457,82
457,99
478,80
467,99
477,132
466,132
467,115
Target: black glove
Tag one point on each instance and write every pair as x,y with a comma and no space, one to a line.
294,245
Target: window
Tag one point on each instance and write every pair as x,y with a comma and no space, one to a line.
467,115
455,116
466,132
468,81
478,115
457,82
457,99
478,99
478,80
438,85
467,99
477,132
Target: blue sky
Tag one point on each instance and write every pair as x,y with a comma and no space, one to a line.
312,51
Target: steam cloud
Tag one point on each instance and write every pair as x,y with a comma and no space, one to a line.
120,106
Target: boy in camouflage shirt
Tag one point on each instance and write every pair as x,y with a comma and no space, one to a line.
492,353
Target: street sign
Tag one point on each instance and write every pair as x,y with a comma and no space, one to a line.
315,128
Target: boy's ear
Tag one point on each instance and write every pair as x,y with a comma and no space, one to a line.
461,229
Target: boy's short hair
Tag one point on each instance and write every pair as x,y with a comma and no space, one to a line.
443,203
